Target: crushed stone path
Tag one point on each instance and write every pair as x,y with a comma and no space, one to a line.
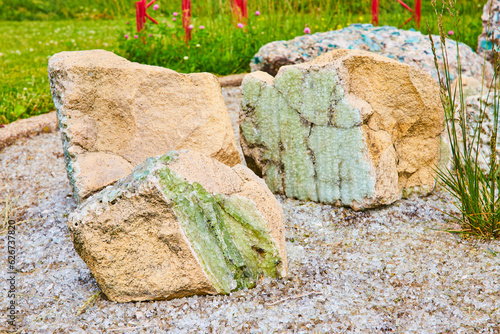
384,270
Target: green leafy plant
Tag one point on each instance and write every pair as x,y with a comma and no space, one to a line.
474,186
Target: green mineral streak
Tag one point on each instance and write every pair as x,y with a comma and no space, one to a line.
267,121
70,162
324,141
71,176
224,238
274,179
342,172
289,84
251,91
251,235
309,136
345,115
308,91
259,129
251,94
142,171
298,166
250,131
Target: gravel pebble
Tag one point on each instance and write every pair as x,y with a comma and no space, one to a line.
384,270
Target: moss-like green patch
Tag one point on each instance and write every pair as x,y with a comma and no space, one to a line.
342,172
309,136
228,233
308,91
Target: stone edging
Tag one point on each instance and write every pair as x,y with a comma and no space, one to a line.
46,123
232,80
24,128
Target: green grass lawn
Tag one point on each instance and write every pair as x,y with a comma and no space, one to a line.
24,50
25,46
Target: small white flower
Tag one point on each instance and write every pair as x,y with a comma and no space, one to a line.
198,45
186,57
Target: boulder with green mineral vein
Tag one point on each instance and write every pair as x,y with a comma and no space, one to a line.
179,225
348,128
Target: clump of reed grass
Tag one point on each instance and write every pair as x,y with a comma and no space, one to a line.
475,188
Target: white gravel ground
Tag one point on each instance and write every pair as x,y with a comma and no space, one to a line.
385,270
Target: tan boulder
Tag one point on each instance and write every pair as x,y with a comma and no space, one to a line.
179,225
348,128
129,112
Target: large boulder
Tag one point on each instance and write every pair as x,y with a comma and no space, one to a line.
113,114
489,38
348,128
406,46
181,224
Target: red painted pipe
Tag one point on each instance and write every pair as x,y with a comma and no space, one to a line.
141,15
244,9
418,12
405,5
375,12
140,10
240,10
186,19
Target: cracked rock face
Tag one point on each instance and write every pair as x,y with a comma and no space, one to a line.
113,114
348,128
180,224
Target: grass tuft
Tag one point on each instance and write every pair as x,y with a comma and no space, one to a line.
88,303
10,212
7,213
475,189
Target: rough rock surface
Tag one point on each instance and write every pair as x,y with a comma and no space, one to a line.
350,128
489,37
113,114
407,46
181,224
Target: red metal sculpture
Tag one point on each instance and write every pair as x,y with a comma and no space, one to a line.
239,8
416,12
140,13
186,19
